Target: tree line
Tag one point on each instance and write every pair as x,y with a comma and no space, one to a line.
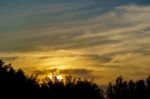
129,89
16,84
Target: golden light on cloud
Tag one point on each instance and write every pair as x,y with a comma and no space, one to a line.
61,67
115,42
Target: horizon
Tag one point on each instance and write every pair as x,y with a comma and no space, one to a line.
94,39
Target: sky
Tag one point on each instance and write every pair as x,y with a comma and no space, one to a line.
95,39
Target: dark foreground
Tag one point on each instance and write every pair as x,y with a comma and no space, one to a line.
17,85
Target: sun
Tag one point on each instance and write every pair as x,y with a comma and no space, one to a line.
61,67
55,75
59,77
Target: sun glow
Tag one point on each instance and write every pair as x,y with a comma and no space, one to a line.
55,75
59,77
50,76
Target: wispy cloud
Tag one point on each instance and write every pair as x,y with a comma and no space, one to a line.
102,39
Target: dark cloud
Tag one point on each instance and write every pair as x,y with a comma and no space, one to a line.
97,57
76,71
65,71
11,58
41,72
45,57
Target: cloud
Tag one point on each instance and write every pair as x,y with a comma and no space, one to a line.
118,26
121,58
41,72
78,72
103,41
11,58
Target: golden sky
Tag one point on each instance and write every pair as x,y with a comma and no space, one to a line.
95,39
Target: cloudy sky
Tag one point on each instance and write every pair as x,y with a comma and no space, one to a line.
98,39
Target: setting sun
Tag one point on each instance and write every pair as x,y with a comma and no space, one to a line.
56,77
59,77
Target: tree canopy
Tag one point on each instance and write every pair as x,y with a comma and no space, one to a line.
16,84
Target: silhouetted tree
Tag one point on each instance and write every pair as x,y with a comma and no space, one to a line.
15,83
129,89
110,91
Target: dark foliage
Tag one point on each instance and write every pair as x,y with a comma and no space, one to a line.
129,89
17,85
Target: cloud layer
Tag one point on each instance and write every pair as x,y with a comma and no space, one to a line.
96,38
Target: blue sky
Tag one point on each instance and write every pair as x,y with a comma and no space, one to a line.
95,37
